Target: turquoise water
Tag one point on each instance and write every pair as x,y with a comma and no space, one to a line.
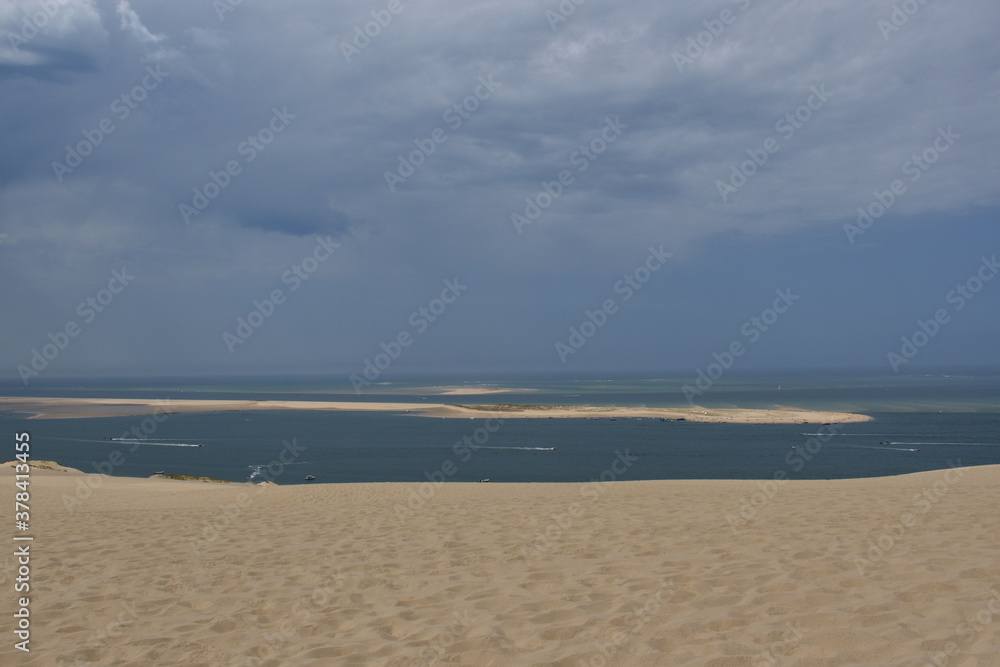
846,392
930,421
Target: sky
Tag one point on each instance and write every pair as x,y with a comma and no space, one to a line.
252,188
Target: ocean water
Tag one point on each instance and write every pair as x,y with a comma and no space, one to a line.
921,423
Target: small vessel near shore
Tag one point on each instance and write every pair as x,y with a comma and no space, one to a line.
310,478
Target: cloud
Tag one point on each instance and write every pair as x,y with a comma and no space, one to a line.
688,128
45,40
132,24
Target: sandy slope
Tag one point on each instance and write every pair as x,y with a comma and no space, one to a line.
717,573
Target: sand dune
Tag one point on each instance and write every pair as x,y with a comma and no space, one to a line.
888,571
68,408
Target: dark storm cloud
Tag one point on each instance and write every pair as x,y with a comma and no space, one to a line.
271,124
49,64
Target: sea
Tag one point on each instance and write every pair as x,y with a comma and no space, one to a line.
921,423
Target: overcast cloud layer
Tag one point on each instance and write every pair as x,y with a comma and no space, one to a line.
309,114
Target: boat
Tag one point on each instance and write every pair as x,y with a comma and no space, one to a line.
310,478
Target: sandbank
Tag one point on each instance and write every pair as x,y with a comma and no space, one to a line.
466,390
68,408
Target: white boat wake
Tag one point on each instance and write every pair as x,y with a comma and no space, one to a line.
866,435
154,444
527,449
958,444
890,449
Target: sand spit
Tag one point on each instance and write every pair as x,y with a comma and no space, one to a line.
67,408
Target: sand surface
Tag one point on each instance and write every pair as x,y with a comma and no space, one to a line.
888,571
67,408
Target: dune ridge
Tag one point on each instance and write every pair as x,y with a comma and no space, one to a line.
883,571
